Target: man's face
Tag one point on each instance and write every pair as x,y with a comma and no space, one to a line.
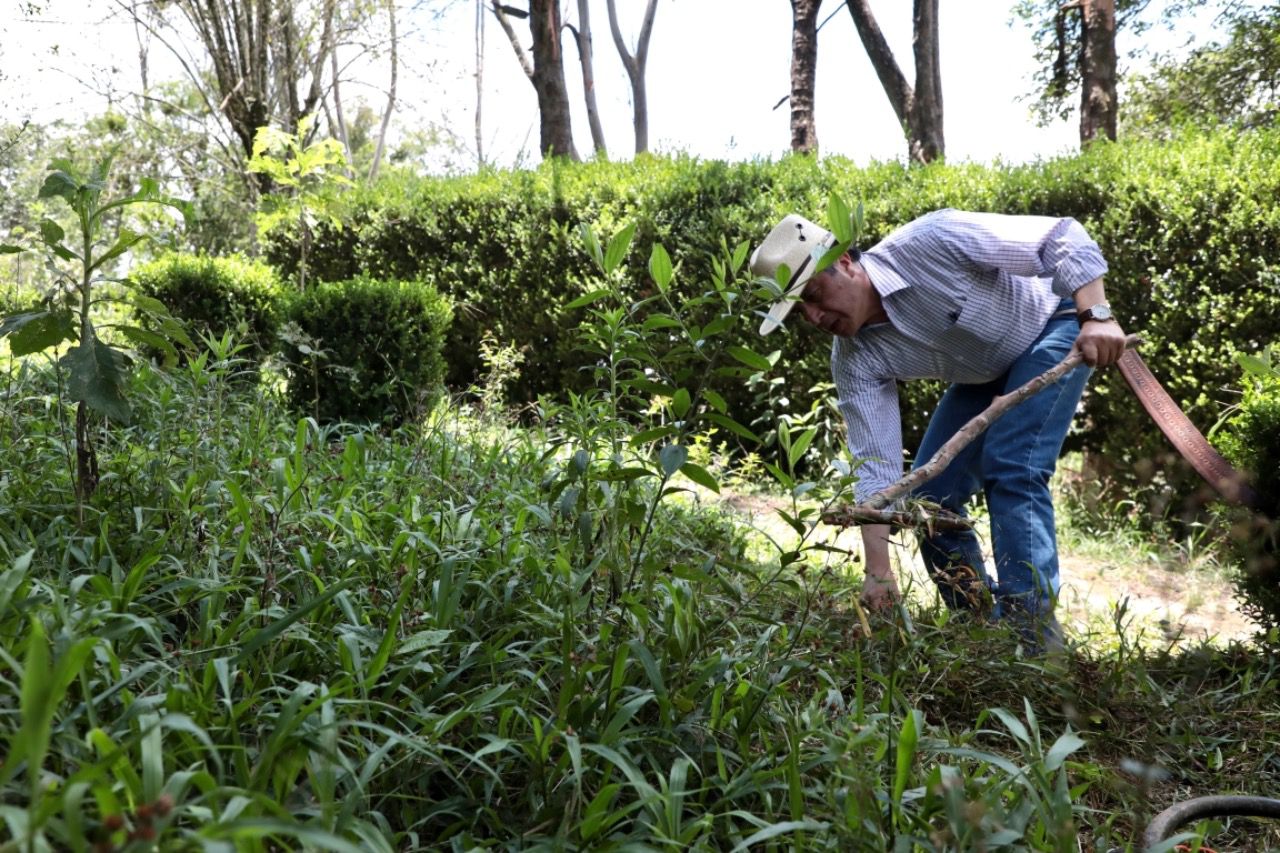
829,299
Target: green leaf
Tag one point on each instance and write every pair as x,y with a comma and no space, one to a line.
60,183
260,638
907,740
95,378
653,434
149,305
733,426
700,475
751,359
126,241
648,386
618,247
673,457
660,267
715,400
773,830
587,299
801,444
145,338
44,331
660,321
51,232
838,219
1255,366
1068,743
10,249
593,245
680,403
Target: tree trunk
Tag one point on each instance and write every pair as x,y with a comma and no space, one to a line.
479,81
635,66
922,122
343,136
582,36
555,130
391,94
804,67
927,143
546,73
1097,71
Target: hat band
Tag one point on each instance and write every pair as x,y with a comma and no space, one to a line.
799,271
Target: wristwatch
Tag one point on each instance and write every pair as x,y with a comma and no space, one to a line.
1101,311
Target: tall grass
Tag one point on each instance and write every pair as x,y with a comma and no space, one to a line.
275,634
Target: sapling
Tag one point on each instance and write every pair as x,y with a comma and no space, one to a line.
72,308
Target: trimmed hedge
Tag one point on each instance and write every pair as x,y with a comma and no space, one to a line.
215,295
1191,230
370,350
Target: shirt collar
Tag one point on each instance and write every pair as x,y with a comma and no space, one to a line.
884,277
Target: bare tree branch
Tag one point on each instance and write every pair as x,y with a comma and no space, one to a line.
500,11
974,428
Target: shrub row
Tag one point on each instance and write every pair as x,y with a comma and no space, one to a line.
361,350
1190,228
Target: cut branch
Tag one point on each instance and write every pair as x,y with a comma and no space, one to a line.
937,519
962,439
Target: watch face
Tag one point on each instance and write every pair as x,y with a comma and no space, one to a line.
1100,312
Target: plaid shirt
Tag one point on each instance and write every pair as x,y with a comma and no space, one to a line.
966,294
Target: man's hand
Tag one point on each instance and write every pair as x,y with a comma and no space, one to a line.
879,593
1100,342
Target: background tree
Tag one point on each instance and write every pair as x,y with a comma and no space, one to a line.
1234,82
804,69
582,37
635,65
1075,52
918,108
545,71
1098,102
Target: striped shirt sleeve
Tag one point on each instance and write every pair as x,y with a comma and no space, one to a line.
872,417
1057,249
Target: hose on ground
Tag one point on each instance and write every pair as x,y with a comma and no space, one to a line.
1179,814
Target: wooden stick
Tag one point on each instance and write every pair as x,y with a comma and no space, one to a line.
861,513
937,519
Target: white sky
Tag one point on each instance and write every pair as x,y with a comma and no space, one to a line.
716,68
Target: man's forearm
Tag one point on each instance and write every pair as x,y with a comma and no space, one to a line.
875,547
1090,295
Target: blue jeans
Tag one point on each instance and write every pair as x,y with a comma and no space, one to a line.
1012,463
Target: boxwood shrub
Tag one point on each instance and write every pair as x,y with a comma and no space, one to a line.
366,350
215,295
1251,441
1191,230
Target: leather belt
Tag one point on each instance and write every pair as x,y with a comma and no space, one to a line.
1188,441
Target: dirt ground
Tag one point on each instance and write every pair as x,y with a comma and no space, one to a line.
1158,602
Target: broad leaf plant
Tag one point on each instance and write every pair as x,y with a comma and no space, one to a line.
72,309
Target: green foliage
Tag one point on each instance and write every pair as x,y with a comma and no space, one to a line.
306,176
1190,229
366,349
281,633
1236,82
213,296
1252,442
285,635
72,310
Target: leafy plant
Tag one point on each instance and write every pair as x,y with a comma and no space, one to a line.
309,172
72,310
